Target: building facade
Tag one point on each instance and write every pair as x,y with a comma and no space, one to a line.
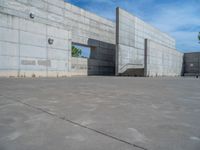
36,39
27,29
143,50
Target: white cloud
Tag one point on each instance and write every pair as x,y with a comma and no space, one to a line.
177,20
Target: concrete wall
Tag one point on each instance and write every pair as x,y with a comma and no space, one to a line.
79,66
131,33
126,53
96,32
192,64
25,51
52,18
163,60
84,66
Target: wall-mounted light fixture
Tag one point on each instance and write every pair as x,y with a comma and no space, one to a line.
50,41
32,16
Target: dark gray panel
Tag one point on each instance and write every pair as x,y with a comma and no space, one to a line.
192,63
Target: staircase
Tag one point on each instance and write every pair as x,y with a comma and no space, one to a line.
132,70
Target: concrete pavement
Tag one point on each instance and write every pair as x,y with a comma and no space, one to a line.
100,113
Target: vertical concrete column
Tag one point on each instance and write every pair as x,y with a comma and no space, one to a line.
146,47
117,42
19,53
47,50
69,51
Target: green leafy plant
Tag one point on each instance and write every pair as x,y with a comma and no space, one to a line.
76,52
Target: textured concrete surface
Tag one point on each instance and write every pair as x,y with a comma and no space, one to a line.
162,57
100,113
163,60
24,40
29,53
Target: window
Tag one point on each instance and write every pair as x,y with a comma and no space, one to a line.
81,51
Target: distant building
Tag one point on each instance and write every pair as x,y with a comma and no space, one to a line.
192,64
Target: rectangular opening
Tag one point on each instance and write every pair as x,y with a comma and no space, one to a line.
81,51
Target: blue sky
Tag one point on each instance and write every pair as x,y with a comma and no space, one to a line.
85,51
179,18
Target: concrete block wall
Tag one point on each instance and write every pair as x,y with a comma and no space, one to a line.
86,28
79,66
192,64
86,66
131,33
126,52
163,60
9,48
25,51
96,32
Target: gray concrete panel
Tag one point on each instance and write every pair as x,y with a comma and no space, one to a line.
54,19
25,48
162,58
163,61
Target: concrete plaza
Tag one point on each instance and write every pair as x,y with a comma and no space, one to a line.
100,113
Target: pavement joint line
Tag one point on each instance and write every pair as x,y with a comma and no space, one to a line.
75,123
